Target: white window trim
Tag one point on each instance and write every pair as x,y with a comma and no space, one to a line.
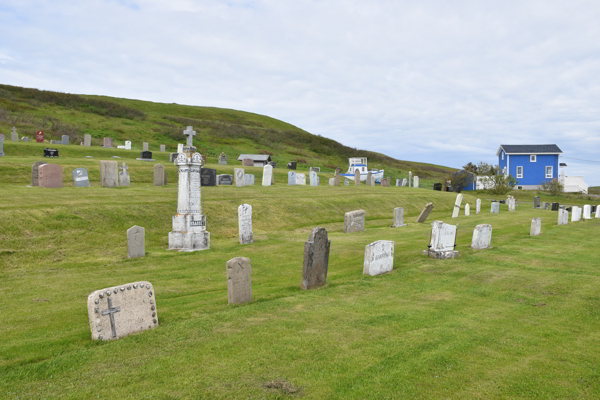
551,171
520,176
502,154
532,158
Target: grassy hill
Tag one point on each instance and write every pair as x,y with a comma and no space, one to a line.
218,130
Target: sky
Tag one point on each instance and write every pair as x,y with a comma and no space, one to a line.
442,82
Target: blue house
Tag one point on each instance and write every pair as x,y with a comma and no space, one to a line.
529,164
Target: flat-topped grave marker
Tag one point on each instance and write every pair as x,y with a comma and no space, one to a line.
536,227
245,223
64,139
313,178
224,180
292,178
51,152
512,203
208,176
425,213
162,147
495,207
398,217
239,280
536,202
108,174
249,179
136,242
354,221
145,146
80,177
443,241
145,156
238,174
51,176
587,211
478,206
482,237
87,140
379,257
248,162
300,179
316,259
107,142
563,216
35,172
158,176
576,214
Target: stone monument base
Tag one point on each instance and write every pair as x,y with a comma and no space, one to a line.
189,241
441,255
145,159
398,226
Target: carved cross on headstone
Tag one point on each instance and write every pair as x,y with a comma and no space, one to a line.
190,135
110,312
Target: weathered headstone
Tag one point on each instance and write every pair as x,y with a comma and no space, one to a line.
248,162
118,311
145,147
162,147
224,180
576,214
189,224
404,182
512,203
238,174
128,145
80,177
357,177
124,179
456,210
55,142
409,179
1,145
316,259
563,216
536,227
107,142
300,179
172,157
331,182
64,139
87,140
337,177
245,223
292,178
249,179
292,165
536,202
35,173
416,181
467,210
51,176
313,178
555,206
587,211
495,207
223,159
267,175
398,217
346,182
145,156
135,242
379,257
443,241
425,213
14,136
354,221
598,211
482,237
239,280
384,182
108,174
39,137
158,176
398,182
26,139
478,206
208,176
51,152
180,145
369,178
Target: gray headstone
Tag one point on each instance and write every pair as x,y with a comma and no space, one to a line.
398,217
292,178
337,177
536,227
1,144
26,139
404,182
425,213
224,180
379,257
354,221
223,159
346,182
124,179
162,147
313,178
369,178
316,259
158,178
35,172
135,242
108,174
495,207
478,206
107,142
239,280
536,202
248,162
240,180
145,148
357,177
248,179
87,140
443,236
245,223
563,216
51,176
80,177
65,139
119,311
267,175
14,136
482,237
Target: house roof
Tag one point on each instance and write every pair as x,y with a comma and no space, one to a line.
529,149
255,157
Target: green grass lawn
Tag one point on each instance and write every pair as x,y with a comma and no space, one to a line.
519,320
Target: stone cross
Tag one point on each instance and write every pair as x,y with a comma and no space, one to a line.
482,237
239,280
190,133
536,227
110,312
316,259
354,221
456,210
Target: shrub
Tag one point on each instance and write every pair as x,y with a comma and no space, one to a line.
553,187
301,161
263,151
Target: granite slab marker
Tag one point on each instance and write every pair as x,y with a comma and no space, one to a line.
425,213
145,146
379,257
478,206
587,211
248,162
245,223
136,242
313,178
240,180
158,177
316,259
162,147
107,142
208,176
292,178
563,216
300,179
239,280
443,241
80,177
482,237
398,217
354,221
51,176
495,207
35,172
536,227
249,179
108,174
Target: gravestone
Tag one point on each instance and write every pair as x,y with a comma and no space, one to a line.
576,214
238,174
443,241
512,203
292,165
51,176
409,178
55,142
313,178
128,145
495,207
292,178
598,211
119,311
135,242
379,257
208,176
337,177
482,237
384,182
425,213
245,223
224,180
398,217
158,175
357,177
478,206
172,157
14,136
180,145
87,140
26,139
346,182
248,179
124,179
331,182
404,182
189,224
316,169
35,173
369,178
239,280
563,216
354,221
587,211
145,156
300,179
272,164
467,210
51,152
456,210
223,159
267,175
536,202
316,259
416,181
39,137
145,148
108,174
1,145
80,177
166,177
64,139
398,182
555,206
536,227
162,147
248,162
107,142
437,186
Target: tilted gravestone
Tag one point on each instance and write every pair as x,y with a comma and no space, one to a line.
482,237
80,177
467,210
35,172
51,176
536,227
124,179
64,139
495,207
587,211
398,217
563,216
478,206
238,173
248,162
87,140
208,177
443,241
224,180
1,145
354,221
267,175
108,174
245,223
158,178
379,257
576,214
223,159
239,280
456,210
136,242
51,152
119,311
357,177
292,178
300,179
107,142
316,259
425,213
248,180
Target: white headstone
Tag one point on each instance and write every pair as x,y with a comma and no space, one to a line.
145,146
409,178
456,210
398,217
478,206
598,211
292,178
313,178
379,257
404,182
512,203
14,135
482,237
124,179
443,236
245,223
467,210
267,175
128,145
180,147
536,227
238,174
495,207
416,181
563,216
331,181
576,214
587,211
300,179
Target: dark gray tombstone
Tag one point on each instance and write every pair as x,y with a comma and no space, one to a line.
224,179
555,206
437,186
316,259
292,165
51,152
208,177
1,145
173,157
145,155
536,202
272,164
80,177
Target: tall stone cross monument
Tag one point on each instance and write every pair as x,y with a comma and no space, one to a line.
189,224
190,135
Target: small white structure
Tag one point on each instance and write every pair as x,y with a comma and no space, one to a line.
572,184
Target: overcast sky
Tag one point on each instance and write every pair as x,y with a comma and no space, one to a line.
444,82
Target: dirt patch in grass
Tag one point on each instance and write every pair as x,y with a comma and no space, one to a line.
282,385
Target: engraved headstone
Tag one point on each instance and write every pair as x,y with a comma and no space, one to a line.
239,280
512,203
443,240
267,175
51,176
292,178
425,213
482,237
576,214
398,217
1,145
587,211
292,165
135,242
478,206
467,210
416,181
248,162
128,145
80,177
224,180
245,223
495,207
563,216
379,257
398,182
316,259
108,174
51,152
119,311
145,156
162,147
238,173
300,179
64,139
107,142
14,136
456,210
158,176
39,137
316,169
26,139
536,227
223,159
404,182
536,202
87,140
208,176
384,182
124,179
35,173
249,179
369,178
354,221
145,148
331,182
357,177
172,157
555,206
313,178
